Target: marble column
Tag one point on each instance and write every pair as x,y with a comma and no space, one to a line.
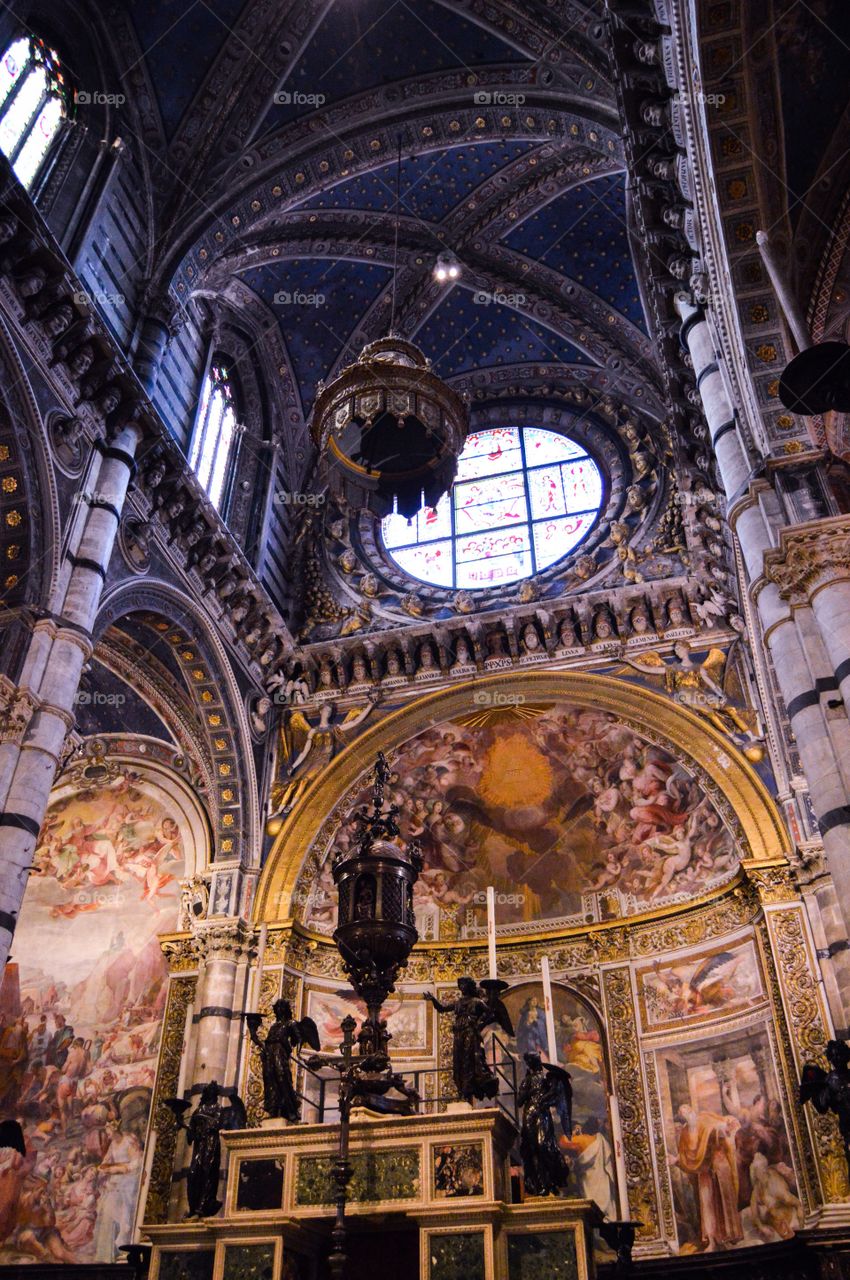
225,949
758,520
158,326
59,647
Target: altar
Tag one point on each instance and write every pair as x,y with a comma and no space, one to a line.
429,1196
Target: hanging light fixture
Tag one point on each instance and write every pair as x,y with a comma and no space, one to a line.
388,430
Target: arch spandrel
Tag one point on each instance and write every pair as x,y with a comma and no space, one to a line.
729,781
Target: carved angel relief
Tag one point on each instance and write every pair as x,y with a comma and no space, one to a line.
710,688
306,747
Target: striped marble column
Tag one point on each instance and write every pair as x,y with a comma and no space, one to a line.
756,518
59,648
225,949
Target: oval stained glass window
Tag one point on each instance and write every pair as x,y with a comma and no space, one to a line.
523,498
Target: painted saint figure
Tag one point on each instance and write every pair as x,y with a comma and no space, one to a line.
285,1035
545,1086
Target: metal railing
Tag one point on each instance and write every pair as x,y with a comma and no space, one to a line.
319,1091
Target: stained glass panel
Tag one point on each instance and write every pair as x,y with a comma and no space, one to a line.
522,499
215,432
32,104
545,446
14,60
432,562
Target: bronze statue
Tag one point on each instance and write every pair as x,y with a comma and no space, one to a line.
545,1086
830,1090
202,1134
284,1036
477,1007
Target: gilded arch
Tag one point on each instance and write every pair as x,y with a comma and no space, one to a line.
757,826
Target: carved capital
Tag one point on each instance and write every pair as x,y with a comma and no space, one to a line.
231,941
15,716
809,556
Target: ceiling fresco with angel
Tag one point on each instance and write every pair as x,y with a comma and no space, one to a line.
567,811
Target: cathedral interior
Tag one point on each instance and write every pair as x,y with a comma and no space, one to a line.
425,664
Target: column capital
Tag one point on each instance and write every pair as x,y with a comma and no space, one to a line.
226,941
810,556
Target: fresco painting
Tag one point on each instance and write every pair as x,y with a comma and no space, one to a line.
709,984
728,1149
580,1047
408,1017
565,810
80,1016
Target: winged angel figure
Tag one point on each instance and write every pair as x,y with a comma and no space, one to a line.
285,1035
306,747
546,1086
474,1009
704,688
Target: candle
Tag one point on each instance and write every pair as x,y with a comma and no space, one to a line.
491,930
549,1010
258,976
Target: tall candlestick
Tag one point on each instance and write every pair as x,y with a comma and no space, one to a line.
549,1010
258,975
491,930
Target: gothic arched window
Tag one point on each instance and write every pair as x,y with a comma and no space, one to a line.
33,104
522,499
215,432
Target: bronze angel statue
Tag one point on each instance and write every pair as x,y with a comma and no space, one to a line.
704,688
476,1008
286,1034
203,1135
830,1090
546,1087
305,748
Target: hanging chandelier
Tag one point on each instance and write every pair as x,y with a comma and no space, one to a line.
389,431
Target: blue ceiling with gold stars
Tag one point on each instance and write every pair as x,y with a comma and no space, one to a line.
360,46
179,42
469,331
583,234
431,184
318,302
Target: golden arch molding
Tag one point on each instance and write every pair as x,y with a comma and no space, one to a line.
760,832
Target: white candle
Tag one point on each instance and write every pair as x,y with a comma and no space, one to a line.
549,1010
258,976
491,930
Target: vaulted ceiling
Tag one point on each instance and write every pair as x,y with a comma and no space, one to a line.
277,200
